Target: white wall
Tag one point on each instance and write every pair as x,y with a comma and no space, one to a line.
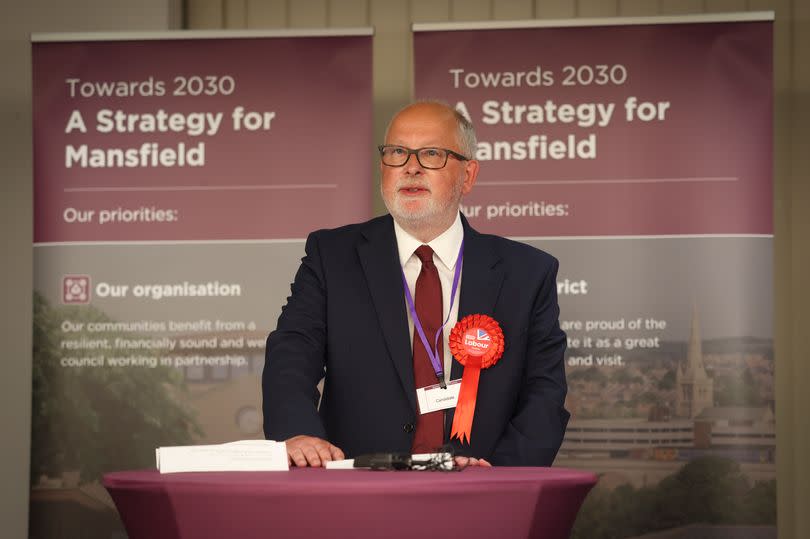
18,21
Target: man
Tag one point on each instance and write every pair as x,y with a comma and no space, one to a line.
348,314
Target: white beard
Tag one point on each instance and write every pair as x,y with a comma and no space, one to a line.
432,214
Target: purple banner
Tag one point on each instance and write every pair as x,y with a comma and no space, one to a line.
175,181
143,144
638,152
622,130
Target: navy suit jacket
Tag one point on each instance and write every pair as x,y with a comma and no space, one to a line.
347,315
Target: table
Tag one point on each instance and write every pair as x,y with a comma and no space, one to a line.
497,502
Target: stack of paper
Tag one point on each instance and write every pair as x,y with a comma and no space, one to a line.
241,456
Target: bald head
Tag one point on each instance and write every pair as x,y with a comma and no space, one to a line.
438,116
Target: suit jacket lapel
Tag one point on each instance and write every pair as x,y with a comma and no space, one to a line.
481,280
380,261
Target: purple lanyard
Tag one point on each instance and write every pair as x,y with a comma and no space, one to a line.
433,353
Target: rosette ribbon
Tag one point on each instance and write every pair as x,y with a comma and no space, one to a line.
476,342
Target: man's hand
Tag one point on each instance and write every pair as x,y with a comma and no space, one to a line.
463,462
308,450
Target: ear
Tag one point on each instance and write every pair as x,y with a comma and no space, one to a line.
470,174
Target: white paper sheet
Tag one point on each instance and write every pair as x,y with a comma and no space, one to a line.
241,456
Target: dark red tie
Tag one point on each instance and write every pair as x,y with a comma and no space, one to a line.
429,434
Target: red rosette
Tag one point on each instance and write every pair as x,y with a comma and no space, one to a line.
476,342
474,352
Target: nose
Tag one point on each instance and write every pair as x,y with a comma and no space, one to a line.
412,166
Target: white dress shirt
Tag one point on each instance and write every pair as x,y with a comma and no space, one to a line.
445,252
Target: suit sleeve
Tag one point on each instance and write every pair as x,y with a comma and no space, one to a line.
296,355
535,432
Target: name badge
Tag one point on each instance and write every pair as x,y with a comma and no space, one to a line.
434,398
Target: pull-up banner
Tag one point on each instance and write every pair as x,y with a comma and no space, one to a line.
638,152
175,179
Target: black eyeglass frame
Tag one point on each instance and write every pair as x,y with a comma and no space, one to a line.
416,151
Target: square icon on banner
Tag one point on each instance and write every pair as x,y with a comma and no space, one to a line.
76,289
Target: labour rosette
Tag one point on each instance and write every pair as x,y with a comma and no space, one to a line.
476,342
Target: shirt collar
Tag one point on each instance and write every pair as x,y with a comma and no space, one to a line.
446,245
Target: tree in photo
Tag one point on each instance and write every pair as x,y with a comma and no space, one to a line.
95,419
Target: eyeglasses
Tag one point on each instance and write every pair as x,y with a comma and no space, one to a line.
431,158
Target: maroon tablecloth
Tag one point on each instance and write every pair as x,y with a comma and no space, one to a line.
313,502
